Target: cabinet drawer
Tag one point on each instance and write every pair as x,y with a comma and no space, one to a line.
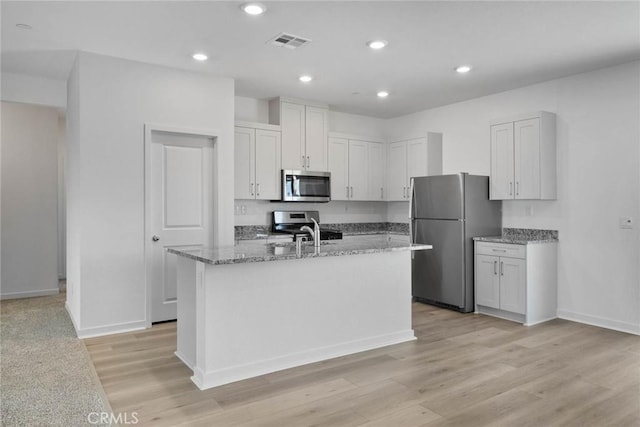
501,249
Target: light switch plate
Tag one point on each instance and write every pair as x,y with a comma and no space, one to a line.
626,222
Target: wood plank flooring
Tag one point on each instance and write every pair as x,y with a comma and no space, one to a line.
464,370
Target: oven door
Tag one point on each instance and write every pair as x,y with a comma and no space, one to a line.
305,186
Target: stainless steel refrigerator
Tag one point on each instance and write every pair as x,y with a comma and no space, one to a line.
447,211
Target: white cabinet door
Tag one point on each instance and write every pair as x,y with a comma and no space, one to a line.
376,171
502,162
267,164
244,146
292,123
358,170
338,163
512,285
417,158
487,281
397,171
316,138
527,158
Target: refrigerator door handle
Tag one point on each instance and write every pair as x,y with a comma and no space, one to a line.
411,197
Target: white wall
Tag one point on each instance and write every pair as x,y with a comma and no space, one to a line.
34,90
29,200
598,137
110,100
62,213
251,109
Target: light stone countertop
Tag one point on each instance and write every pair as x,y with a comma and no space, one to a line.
513,241
522,236
259,251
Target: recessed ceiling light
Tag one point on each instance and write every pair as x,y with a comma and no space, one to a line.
305,78
200,57
383,94
24,26
253,8
377,44
463,69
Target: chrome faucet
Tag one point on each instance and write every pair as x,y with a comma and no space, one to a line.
315,232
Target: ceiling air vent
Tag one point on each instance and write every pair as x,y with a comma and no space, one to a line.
288,40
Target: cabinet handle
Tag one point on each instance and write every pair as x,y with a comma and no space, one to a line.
501,268
258,189
347,187
495,267
308,161
510,188
302,162
352,192
404,192
499,250
251,189
381,193
517,191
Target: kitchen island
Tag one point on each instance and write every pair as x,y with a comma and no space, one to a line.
255,308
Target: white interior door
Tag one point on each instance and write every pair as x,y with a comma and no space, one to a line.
181,207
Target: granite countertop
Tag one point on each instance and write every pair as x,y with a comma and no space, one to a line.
522,236
259,251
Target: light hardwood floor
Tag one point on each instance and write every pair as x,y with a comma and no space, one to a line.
464,370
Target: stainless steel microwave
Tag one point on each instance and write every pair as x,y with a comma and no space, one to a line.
305,186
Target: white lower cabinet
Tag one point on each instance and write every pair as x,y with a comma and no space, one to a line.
516,281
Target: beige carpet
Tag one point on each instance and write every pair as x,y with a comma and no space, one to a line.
46,375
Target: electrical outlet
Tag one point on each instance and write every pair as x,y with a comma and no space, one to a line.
626,222
243,210
528,210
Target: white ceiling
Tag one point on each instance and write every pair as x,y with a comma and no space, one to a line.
509,44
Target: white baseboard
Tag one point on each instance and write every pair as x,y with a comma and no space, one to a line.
602,322
117,328
30,294
205,380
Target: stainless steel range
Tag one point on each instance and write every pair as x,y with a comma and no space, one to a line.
290,222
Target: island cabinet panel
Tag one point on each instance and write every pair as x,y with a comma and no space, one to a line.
412,158
254,308
516,281
523,157
257,163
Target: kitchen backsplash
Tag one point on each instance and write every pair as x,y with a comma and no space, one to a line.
529,234
250,232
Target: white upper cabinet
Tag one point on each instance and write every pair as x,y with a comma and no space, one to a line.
339,167
523,157
316,138
376,171
292,125
257,162
357,169
411,158
304,133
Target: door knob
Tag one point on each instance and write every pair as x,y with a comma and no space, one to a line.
155,238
